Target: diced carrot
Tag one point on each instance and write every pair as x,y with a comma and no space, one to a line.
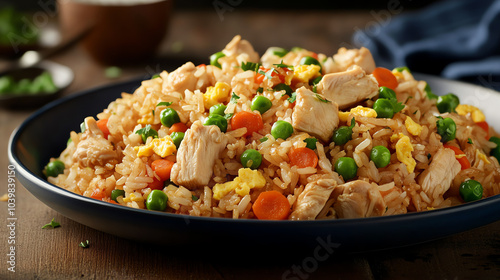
97,194
460,156
314,55
303,157
271,205
259,78
202,65
177,127
162,168
156,184
486,127
252,121
385,78
103,126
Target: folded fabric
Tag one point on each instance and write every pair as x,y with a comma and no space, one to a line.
453,39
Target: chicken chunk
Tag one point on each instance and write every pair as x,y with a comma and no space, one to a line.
313,199
197,154
436,179
346,58
237,46
93,149
359,199
314,114
349,87
184,78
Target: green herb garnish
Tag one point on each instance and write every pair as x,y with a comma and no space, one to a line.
322,99
469,141
52,224
164,104
263,139
234,98
311,143
245,66
147,132
292,98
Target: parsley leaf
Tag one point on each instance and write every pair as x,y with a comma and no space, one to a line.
164,104
292,98
353,123
398,106
282,65
263,139
228,116
234,98
311,143
52,224
260,90
84,244
268,74
469,141
155,76
194,197
322,99
250,66
147,132
415,112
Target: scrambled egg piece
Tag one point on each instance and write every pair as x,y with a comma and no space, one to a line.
304,73
403,151
476,114
163,147
247,179
147,119
482,156
216,94
133,197
359,111
396,137
413,127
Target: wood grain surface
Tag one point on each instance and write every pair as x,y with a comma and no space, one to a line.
55,254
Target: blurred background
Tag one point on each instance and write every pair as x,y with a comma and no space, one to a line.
103,41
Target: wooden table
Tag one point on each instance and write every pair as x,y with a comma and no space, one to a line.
55,254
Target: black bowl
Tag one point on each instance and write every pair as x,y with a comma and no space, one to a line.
44,135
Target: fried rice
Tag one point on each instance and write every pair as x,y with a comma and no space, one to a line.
424,172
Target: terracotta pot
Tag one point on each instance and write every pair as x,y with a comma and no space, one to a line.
120,33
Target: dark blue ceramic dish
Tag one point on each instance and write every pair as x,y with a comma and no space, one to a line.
44,135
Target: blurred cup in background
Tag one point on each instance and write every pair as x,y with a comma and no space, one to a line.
120,31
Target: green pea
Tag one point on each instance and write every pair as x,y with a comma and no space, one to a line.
343,134
447,103
381,156
288,90
157,200
346,167
471,190
168,117
309,60
218,109
261,104
177,138
217,120
429,92
251,159
54,168
384,108
495,151
281,129
281,52
311,143
214,59
446,128
387,93
116,193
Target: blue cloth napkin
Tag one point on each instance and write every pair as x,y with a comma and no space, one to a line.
453,39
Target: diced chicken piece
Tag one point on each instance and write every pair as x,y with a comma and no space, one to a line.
93,149
314,114
436,179
346,58
313,199
197,154
184,78
359,199
349,87
237,46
